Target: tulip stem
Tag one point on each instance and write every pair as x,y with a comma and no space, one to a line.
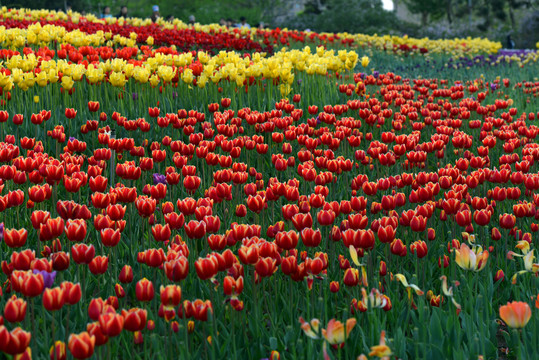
53,336
67,324
32,318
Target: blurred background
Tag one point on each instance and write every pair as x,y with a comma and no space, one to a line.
495,19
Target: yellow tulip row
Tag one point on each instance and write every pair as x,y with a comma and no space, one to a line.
163,68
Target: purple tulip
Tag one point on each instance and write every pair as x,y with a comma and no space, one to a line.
159,179
48,277
1,232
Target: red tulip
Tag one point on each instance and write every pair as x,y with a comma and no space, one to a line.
126,274
15,238
206,268
72,292
82,253
15,309
177,269
81,345
111,324
110,237
32,285
135,319
53,299
144,290
93,106
171,295
70,113
99,265
265,267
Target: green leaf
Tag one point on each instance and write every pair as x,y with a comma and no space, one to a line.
435,328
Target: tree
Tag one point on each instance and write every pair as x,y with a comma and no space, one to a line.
428,9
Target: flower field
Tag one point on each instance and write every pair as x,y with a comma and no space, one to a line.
200,192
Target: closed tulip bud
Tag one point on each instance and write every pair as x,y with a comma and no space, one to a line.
383,268
499,276
60,261
351,277
444,262
138,338
58,351
119,291
126,274
144,290
495,234
95,309
431,234
334,286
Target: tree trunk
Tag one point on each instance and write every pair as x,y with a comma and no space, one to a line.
424,18
449,11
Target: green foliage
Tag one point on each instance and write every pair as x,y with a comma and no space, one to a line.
360,16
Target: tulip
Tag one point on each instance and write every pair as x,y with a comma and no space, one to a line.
81,345
53,299
135,319
144,290
382,350
72,292
110,237
58,351
32,285
15,238
82,253
99,265
15,309
170,295
126,274
14,342
469,259
111,324
516,314
336,333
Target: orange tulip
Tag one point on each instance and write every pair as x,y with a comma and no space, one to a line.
335,333
516,314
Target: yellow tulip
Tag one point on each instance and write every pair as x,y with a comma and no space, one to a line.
365,61
67,83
